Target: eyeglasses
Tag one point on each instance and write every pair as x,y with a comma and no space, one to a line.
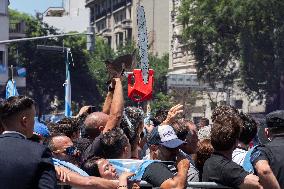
71,150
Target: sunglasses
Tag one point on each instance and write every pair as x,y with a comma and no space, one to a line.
71,150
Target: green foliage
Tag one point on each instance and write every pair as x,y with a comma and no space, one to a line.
237,38
161,101
46,70
97,64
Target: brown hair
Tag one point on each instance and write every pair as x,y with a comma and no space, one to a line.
221,111
204,151
225,132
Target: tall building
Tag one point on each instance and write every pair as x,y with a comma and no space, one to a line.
4,35
71,16
116,22
182,77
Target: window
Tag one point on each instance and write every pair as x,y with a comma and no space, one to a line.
3,7
129,34
92,15
120,38
109,40
2,57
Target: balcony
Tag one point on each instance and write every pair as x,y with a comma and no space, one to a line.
17,29
126,23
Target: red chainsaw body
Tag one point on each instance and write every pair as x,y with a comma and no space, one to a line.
138,91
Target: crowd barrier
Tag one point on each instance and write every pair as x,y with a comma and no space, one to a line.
144,184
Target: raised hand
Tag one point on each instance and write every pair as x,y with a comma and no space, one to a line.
172,114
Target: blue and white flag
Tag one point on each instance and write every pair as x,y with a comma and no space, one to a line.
131,165
22,72
68,112
11,89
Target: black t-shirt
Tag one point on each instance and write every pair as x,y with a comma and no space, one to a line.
273,152
157,173
221,170
94,149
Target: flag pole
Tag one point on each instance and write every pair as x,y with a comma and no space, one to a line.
12,73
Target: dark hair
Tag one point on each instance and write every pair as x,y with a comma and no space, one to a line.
203,152
130,122
113,143
66,126
180,129
160,116
14,105
249,128
205,121
82,143
225,132
221,111
91,167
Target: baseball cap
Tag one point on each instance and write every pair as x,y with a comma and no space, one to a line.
164,135
275,119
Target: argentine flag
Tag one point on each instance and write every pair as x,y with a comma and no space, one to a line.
11,89
68,112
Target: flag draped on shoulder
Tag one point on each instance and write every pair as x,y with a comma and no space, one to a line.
11,89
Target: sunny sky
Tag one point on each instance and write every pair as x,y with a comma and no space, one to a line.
33,6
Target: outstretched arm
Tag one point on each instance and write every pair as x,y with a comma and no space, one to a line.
116,108
78,181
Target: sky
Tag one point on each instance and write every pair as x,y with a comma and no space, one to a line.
31,6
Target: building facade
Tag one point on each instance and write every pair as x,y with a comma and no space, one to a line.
4,35
71,16
182,76
116,22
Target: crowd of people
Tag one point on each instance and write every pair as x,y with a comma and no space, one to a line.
120,146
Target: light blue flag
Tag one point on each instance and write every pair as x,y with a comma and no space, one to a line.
68,112
11,89
131,165
22,72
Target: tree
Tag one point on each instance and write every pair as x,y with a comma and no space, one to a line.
46,70
237,39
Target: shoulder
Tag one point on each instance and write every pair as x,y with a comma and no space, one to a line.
260,152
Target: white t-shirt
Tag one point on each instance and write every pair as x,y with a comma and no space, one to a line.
239,155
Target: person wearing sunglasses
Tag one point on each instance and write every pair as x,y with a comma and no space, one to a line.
65,154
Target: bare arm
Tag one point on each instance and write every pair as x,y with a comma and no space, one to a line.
76,180
179,181
266,176
116,106
107,103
